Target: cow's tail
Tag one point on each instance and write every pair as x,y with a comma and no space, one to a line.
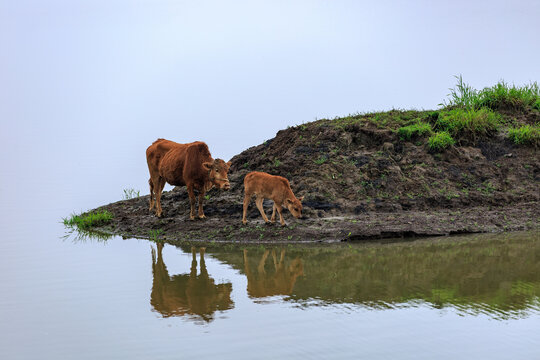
152,196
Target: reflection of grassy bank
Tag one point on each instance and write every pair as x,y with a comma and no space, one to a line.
80,235
499,275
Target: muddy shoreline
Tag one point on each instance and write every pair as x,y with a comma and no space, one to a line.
132,219
360,180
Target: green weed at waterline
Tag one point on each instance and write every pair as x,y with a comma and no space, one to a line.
89,220
154,235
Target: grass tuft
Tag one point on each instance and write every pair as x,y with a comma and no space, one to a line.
498,97
463,95
321,160
440,141
130,194
525,135
468,122
415,130
88,220
155,235
503,96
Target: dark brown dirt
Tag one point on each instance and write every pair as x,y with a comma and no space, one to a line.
359,181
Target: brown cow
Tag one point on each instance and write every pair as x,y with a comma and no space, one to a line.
184,164
193,295
273,187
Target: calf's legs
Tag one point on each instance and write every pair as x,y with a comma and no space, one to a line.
279,209
247,199
259,203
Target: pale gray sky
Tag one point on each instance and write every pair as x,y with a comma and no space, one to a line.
103,79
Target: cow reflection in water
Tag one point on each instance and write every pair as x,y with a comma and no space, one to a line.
190,294
278,282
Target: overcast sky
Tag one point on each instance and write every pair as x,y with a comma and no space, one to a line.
109,77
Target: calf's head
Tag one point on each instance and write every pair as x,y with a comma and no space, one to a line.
217,173
295,206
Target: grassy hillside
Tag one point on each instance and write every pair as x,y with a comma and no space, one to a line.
470,166
479,148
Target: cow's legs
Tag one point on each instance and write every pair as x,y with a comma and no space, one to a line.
152,196
259,203
273,218
202,265
193,270
246,263
159,184
247,199
192,199
201,198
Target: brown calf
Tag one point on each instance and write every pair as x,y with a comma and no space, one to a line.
184,164
278,282
272,187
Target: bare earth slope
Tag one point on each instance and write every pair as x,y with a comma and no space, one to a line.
361,180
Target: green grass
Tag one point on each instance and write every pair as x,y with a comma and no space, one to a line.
392,119
440,141
321,160
154,235
463,95
498,97
415,130
504,96
89,220
468,122
525,135
277,162
130,194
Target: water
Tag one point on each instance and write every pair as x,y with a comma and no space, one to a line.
69,298
86,298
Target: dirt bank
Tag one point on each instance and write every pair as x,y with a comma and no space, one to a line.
361,180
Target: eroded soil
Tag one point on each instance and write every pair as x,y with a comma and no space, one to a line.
360,181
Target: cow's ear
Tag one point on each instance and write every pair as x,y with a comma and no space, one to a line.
207,165
300,198
229,163
289,201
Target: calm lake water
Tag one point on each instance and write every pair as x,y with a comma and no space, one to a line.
82,298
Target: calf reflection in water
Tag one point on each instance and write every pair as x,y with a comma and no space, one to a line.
278,282
190,294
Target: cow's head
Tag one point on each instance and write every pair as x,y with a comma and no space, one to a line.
295,206
217,173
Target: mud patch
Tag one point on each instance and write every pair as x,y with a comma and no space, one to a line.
359,181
